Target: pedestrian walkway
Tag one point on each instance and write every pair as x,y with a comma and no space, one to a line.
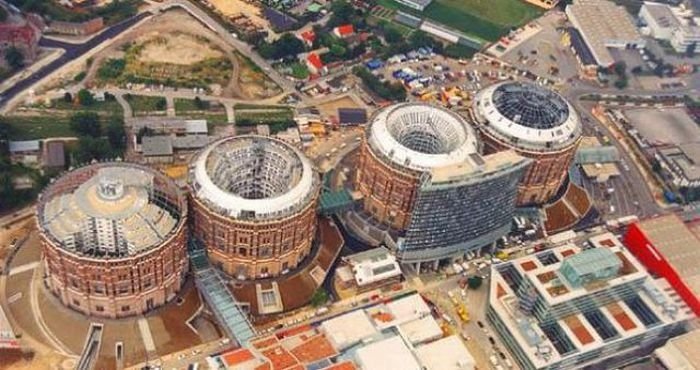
146,335
226,309
23,268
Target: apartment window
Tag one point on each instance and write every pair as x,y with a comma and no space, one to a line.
125,308
264,270
99,308
147,284
76,303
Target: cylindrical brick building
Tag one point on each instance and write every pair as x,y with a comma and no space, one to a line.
535,122
253,202
114,239
401,143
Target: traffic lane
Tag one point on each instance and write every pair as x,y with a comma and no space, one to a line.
72,52
644,194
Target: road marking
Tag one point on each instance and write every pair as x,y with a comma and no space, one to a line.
23,268
14,298
146,335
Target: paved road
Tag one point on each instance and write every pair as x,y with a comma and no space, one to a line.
73,51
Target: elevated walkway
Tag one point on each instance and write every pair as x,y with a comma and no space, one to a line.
227,310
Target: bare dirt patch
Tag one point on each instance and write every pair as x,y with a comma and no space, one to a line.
330,108
177,48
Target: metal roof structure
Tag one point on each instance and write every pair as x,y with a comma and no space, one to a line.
24,146
253,176
226,309
527,115
113,213
421,136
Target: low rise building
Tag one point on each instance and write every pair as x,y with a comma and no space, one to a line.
397,334
419,5
604,25
373,268
681,352
681,165
26,152
665,23
671,249
569,307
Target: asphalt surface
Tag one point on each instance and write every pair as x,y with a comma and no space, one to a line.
72,52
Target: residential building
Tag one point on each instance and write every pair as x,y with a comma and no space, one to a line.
113,236
686,39
537,123
315,65
420,176
254,204
344,31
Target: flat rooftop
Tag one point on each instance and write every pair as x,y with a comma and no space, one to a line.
671,126
686,157
549,343
603,23
681,352
678,243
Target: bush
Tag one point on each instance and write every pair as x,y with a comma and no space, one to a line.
79,77
111,69
319,298
386,90
86,124
85,98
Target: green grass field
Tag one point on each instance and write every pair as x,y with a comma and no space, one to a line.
485,19
32,128
110,107
145,105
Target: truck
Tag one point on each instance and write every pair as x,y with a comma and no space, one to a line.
463,313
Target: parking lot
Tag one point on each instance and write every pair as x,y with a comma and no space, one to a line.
544,54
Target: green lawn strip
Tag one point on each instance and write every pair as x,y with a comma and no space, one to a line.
108,107
42,127
185,106
39,127
299,71
144,105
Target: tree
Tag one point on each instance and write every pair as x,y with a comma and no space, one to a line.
85,98
343,13
338,50
620,68
115,133
392,36
474,282
67,97
200,104
161,104
86,124
14,57
319,298
621,83
90,148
